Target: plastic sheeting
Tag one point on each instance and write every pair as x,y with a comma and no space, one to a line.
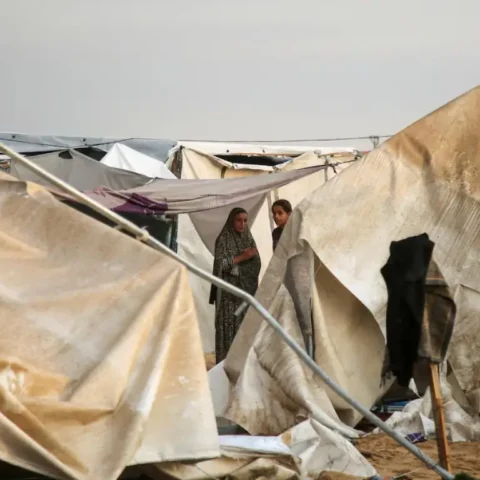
196,165
24,143
208,201
126,158
79,171
303,452
99,340
463,423
425,179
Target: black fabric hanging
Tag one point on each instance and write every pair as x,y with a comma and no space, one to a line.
404,274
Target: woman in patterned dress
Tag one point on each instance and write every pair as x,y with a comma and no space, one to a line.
236,261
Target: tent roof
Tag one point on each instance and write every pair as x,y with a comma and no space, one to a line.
79,171
25,143
126,158
227,148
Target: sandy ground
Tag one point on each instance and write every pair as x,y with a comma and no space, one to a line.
209,360
390,459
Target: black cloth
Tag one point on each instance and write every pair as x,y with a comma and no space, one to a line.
405,274
276,234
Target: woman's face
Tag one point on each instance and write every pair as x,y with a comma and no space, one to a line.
240,222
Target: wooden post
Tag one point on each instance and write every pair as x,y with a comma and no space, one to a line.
439,418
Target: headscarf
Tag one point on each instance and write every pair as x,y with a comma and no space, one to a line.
229,244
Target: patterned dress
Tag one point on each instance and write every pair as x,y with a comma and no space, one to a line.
228,245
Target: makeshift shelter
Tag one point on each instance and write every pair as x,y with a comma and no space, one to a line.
99,340
424,179
193,164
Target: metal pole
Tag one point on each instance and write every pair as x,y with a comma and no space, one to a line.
144,236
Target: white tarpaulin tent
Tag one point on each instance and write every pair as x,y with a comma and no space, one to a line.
126,158
197,165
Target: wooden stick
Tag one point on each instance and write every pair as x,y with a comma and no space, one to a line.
439,418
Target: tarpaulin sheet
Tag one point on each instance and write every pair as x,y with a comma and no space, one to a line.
24,143
79,171
190,196
126,158
424,179
101,363
304,452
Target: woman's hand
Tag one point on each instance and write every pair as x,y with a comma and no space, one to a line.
247,254
250,253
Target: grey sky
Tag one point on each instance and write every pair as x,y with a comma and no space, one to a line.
220,69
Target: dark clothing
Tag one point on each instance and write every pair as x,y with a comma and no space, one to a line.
404,275
276,234
228,245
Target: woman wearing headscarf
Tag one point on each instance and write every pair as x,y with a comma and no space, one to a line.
236,261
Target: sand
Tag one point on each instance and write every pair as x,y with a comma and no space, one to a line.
390,459
209,360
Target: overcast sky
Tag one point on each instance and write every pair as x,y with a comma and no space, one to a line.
232,70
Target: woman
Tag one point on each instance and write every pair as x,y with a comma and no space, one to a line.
237,262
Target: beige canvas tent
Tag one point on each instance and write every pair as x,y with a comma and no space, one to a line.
99,340
425,179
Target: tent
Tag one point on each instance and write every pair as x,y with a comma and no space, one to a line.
99,340
424,179
126,158
194,164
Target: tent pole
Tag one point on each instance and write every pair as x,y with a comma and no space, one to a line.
145,237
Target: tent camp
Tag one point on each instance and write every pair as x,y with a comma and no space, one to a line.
144,201
325,273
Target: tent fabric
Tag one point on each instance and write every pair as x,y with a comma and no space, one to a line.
305,451
126,158
209,200
424,179
214,149
197,165
99,340
79,171
285,155
24,143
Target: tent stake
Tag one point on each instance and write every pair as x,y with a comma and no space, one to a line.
439,417
145,237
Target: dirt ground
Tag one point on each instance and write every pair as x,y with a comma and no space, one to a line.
209,360
390,459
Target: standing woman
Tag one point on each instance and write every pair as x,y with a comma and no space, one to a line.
237,262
